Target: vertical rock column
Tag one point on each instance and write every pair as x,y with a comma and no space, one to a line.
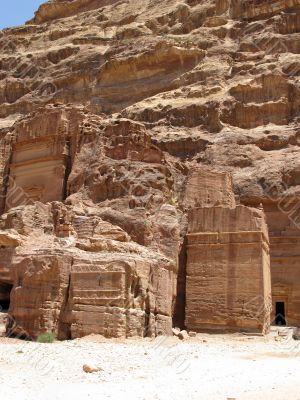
228,270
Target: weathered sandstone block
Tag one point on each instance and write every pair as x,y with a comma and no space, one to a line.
121,297
228,270
208,188
76,274
39,294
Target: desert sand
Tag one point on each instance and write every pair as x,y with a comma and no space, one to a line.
213,367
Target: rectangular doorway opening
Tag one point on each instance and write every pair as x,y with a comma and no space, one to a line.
5,290
280,314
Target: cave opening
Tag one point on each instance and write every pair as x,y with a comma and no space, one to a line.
5,290
280,314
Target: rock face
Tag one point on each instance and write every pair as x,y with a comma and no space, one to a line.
228,270
73,272
135,139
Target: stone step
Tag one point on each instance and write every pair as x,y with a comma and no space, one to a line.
285,333
84,235
82,220
83,227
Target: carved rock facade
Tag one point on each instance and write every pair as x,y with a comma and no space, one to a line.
149,161
228,270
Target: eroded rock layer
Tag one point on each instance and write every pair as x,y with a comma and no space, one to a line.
73,271
126,128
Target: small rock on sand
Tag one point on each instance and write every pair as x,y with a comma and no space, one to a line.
89,369
183,335
176,331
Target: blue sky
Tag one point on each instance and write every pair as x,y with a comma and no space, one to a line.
16,12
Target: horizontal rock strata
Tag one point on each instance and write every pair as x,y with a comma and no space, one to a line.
135,138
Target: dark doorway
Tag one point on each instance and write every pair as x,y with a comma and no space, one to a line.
4,305
5,290
280,314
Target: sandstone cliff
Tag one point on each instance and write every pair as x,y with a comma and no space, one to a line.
119,117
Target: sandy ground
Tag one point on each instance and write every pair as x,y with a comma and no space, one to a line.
205,367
